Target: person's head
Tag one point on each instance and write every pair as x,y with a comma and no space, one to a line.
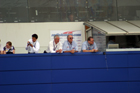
56,39
112,38
8,44
34,37
71,17
70,38
90,40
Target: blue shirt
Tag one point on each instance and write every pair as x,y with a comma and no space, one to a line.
67,46
87,46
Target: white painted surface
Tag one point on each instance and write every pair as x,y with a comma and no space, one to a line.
123,49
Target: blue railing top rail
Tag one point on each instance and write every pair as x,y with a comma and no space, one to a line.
70,54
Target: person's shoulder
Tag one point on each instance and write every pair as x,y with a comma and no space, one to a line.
60,42
85,42
94,42
4,48
73,41
65,41
30,40
13,47
51,42
37,41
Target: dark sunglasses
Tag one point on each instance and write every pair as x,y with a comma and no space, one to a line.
71,38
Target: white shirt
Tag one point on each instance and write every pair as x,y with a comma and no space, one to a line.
52,48
35,48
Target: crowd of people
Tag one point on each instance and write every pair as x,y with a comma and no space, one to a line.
55,46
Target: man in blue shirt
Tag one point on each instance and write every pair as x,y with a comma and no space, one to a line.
70,46
89,45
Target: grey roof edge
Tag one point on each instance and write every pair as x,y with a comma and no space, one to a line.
109,34
91,25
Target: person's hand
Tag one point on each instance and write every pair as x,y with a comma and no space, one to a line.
92,50
28,43
57,51
96,50
72,51
60,50
31,45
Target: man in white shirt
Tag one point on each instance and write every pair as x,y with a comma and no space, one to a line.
55,46
33,45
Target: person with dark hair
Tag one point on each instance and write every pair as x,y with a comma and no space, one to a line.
89,45
9,49
33,45
35,36
70,46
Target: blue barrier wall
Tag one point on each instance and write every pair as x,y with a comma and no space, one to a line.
115,72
